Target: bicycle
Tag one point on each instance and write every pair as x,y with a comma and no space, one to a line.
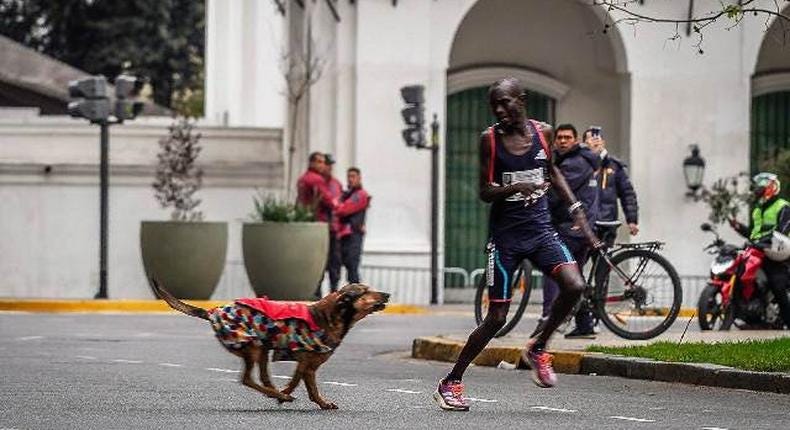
626,287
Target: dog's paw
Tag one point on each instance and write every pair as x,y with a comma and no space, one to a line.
328,405
286,398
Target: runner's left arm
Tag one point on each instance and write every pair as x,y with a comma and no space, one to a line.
574,205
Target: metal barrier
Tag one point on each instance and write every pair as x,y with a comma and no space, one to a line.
412,284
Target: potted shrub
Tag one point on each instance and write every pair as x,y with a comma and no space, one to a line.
185,254
284,249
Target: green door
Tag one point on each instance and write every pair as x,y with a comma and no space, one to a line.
771,135
465,216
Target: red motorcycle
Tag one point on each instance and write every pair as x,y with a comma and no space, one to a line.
737,290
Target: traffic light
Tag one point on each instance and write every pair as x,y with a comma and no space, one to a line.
126,89
91,99
414,115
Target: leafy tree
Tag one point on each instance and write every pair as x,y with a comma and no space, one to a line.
162,40
696,21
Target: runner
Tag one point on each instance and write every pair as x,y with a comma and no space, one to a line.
515,173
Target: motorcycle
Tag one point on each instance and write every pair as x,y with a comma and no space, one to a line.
737,293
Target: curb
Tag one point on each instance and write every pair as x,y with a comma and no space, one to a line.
597,364
140,306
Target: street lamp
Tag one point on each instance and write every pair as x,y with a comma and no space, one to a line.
693,171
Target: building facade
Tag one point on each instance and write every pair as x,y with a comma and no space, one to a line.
653,94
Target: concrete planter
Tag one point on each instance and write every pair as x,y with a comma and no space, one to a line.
284,261
187,258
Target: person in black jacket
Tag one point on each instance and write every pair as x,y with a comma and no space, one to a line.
580,167
613,185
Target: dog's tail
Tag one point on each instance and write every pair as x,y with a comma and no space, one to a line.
176,304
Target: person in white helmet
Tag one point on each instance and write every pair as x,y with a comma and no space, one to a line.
771,214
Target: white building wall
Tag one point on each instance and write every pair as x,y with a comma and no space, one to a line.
680,97
50,221
244,48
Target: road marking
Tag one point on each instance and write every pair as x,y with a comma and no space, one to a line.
169,364
30,338
474,399
86,357
280,377
714,428
398,390
638,420
121,360
546,408
214,369
342,384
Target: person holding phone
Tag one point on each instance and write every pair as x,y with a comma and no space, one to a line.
613,184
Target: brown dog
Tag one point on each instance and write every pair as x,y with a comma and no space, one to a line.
249,333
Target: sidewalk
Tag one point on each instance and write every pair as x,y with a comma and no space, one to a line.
570,356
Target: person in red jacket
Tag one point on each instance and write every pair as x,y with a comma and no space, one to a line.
351,216
313,190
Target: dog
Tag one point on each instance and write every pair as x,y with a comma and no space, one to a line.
250,328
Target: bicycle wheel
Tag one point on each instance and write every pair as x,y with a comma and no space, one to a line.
641,298
521,290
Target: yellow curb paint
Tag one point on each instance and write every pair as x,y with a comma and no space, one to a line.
441,349
140,306
687,312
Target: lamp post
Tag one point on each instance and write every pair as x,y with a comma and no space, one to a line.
91,101
693,171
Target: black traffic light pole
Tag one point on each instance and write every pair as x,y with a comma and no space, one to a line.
91,102
414,135
103,206
434,211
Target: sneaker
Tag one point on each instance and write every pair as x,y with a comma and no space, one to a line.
450,396
578,333
540,363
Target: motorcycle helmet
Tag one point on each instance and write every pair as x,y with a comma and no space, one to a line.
765,186
779,250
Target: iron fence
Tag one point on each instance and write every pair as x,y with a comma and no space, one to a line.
412,284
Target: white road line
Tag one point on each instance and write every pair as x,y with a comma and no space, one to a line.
30,338
121,360
86,357
169,364
638,420
342,384
280,377
546,408
398,390
474,399
214,369
714,428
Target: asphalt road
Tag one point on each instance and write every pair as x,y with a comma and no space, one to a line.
92,371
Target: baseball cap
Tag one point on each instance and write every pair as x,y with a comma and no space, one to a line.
329,158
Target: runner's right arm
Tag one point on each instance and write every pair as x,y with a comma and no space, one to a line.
490,191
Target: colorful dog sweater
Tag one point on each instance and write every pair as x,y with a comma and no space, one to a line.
237,324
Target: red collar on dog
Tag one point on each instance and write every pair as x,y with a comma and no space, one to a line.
278,310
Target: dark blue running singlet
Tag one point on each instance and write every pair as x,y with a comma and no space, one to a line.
520,217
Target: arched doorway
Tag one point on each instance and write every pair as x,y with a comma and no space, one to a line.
770,122
573,73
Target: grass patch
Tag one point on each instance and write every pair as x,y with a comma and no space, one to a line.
769,355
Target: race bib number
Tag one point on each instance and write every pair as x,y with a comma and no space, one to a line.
532,176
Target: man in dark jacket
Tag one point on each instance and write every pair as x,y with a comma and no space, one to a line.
579,166
613,184
351,216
